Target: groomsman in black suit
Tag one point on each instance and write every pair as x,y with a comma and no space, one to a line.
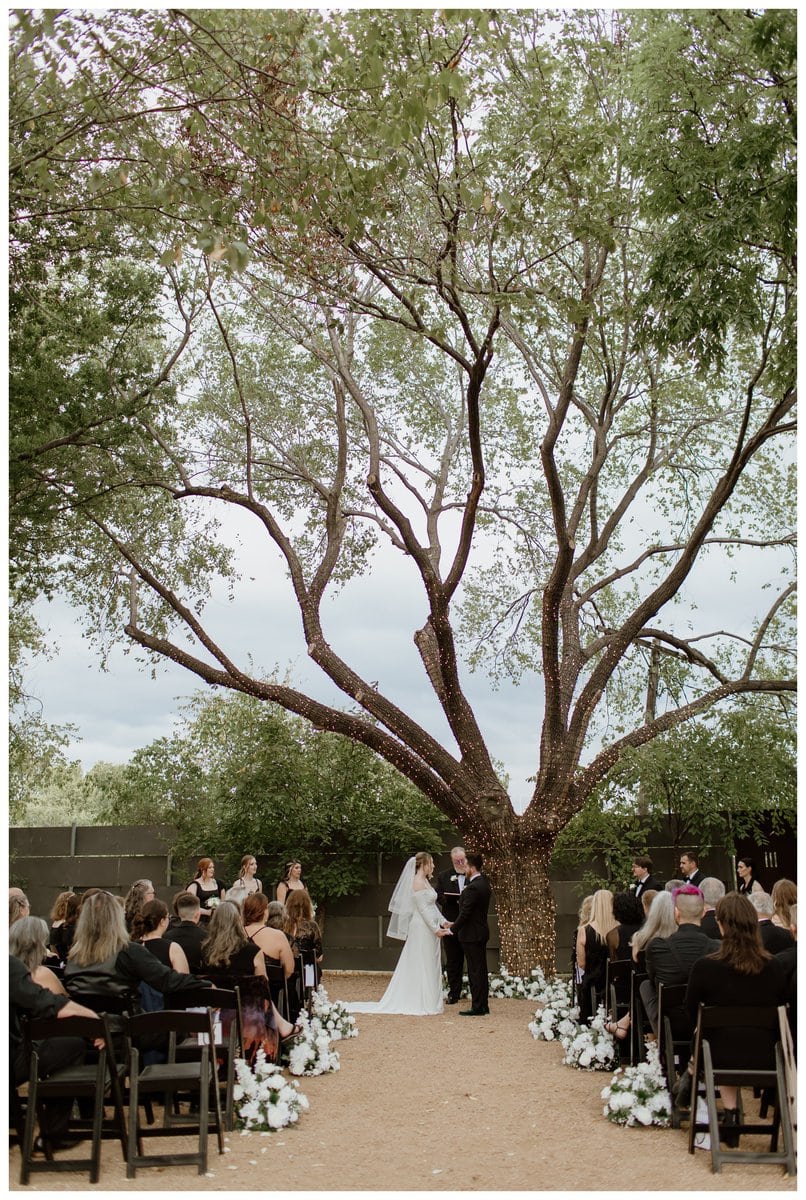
472,930
690,868
645,881
450,885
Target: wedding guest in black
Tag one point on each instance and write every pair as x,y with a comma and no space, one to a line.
149,929
592,952
449,886
27,998
645,881
712,892
740,972
228,953
305,937
187,932
690,868
206,888
772,936
141,891
746,871
629,912
789,961
784,894
473,930
273,942
670,959
28,941
659,922
58,915
103,960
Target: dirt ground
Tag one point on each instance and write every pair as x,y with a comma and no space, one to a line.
439,1104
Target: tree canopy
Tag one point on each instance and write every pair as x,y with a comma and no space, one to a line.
511,292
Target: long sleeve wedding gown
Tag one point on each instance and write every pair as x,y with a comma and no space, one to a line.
415,988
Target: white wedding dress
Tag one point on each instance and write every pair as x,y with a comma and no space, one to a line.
415,989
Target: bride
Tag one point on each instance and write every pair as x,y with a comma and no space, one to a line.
415,989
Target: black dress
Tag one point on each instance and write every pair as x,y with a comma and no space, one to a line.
257,1013
206,894
596,957
717,983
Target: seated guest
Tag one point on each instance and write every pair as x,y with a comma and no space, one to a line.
784,894
273,942
659,922
712,892
671,885
141,891
149,927
670,959
61,933
629,912
789,961
772,936
645,881
26,998
740,972
228,953
28,941
591,946
275,917
18,905
103,961
188,932
584,916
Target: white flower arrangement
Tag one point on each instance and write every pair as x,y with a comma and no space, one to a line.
311,1053
213,902
337,1022
591,1047
557,1019
639,1095
264,1098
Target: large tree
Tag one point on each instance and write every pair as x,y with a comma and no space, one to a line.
511,292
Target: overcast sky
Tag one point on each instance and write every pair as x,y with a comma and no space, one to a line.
370,624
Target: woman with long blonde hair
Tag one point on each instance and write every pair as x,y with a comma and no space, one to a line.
592,953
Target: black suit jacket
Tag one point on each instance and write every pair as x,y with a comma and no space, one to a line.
708,925
669,960
774,937
696,879
652,884
448,883
471,924
191,937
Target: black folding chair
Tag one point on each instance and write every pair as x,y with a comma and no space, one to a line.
165,1079
638,1018
224,1006
278,986
746,1024
98,1081
674,1037
618,973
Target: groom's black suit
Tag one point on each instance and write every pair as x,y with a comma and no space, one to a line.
472,930
448,897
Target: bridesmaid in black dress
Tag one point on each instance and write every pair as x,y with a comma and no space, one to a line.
592,952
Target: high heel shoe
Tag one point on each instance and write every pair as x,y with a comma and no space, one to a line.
616,1030
295,1032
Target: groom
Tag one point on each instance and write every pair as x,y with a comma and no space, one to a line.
472,930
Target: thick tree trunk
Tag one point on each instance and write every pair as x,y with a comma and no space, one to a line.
524,904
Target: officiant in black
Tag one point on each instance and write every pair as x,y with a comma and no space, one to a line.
450,885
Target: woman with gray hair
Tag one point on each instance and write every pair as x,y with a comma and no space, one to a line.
660,922
28,941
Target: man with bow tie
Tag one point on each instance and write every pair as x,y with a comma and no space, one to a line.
450,885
